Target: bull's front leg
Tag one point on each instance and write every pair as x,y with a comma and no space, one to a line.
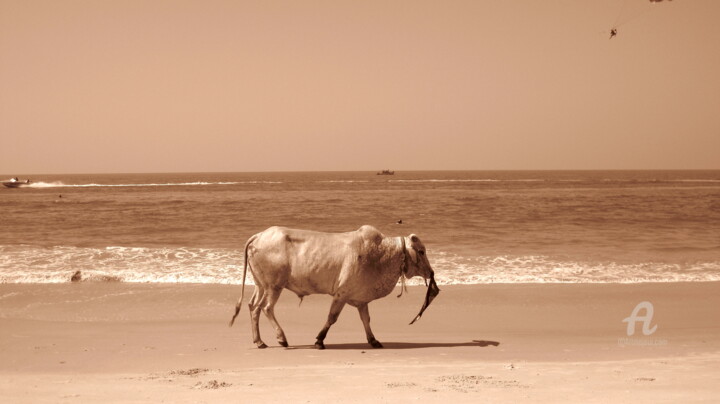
335,309
365,317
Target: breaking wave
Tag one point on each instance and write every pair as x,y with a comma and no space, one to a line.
454,269
59,184
540,180
26,264
343,181
29,264
468,180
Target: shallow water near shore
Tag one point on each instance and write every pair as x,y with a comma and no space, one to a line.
479,226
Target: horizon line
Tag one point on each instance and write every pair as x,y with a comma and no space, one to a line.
369,171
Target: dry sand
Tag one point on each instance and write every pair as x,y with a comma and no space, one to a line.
114,342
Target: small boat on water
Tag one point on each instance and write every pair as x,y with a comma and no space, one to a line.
16,183
386,172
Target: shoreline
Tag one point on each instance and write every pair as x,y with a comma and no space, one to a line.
95,342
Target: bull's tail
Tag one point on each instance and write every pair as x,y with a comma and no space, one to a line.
242,291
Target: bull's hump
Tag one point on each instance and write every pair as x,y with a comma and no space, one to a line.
370,233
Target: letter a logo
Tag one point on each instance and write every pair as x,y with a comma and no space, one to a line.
634,317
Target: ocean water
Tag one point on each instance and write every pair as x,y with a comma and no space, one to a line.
478,226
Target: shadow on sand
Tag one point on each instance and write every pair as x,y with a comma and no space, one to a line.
404,345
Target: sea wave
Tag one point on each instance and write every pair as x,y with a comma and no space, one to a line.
343,181
658,180
520,180
454,269
29,264
59,184
467,180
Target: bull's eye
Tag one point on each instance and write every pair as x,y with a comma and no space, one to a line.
422,252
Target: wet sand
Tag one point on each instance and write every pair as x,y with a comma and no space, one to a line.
115,342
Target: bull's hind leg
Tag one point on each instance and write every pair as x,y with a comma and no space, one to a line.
269,310
335,309
365,317
255,305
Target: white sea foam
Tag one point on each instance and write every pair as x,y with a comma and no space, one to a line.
27,264
59,184
343,181
469,180
41,184
447,180
453,269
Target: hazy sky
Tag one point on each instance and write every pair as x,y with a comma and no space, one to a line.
158,86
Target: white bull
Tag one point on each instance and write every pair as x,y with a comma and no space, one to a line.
355,268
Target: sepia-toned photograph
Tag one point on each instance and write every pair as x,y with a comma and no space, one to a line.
461,201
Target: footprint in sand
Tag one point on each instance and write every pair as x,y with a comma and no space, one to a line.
212,384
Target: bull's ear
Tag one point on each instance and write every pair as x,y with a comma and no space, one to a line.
414,238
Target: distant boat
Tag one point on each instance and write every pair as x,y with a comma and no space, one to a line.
386,172
15,183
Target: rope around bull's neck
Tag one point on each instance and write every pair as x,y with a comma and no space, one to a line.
403,267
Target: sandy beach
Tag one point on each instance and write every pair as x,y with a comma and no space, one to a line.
115,342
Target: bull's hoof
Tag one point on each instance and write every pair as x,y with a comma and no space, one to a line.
375,344
261,345
319,345
283,343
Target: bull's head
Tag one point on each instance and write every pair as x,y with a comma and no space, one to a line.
418,265
417,261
